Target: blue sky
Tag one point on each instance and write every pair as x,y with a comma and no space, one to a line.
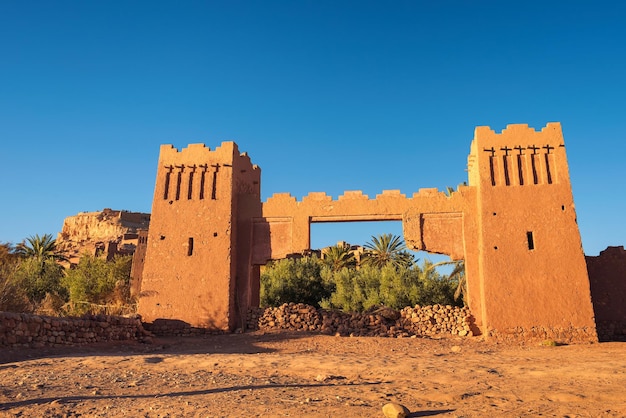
323,95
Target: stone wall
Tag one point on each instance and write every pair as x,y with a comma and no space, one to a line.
25,330
607,277
384,322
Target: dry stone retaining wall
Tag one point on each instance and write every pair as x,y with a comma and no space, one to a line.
384,322
25,330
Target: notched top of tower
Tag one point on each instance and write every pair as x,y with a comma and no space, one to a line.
518,127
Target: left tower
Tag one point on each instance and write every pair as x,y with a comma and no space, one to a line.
198,262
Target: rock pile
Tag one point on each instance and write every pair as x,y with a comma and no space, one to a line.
382,322
25,330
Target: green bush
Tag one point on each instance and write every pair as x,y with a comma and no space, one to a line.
37,277
96,281
294,280
312,281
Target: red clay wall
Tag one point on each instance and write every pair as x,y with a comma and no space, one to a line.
607,275
192,256
532,273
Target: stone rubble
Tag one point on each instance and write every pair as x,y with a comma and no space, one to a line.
383,322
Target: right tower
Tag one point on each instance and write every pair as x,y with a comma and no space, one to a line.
531,267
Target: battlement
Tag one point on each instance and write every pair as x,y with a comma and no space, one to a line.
518,129
518,156
358,195
193,173
192,154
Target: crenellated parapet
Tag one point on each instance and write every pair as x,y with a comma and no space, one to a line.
432,220
518,156
194,172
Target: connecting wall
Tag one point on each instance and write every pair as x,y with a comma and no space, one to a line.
514,224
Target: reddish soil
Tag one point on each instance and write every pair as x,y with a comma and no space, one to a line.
303,375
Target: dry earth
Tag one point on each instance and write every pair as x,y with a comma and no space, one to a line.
303,375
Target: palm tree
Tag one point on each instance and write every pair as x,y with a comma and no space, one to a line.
339,256
39,271
40,248
457,274
387,248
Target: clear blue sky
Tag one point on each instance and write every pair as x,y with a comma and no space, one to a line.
323,95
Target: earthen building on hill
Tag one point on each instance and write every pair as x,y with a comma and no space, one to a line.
514,224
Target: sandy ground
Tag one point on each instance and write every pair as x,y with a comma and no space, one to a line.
303,375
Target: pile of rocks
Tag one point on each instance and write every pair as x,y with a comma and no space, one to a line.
382,322
437,319
25,330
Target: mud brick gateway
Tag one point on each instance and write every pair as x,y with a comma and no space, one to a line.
514,224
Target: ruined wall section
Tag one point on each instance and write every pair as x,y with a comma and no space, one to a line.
531,265
432,221
247,206
191,258
607,275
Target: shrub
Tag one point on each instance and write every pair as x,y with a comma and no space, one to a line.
95,281
293,280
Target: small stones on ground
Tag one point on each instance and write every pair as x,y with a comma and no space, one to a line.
395,410
455,349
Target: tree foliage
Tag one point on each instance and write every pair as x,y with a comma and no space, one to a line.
387,248
339,256
395,287
32,280
97,281
39,248
294,280
13,297
387,276
39,273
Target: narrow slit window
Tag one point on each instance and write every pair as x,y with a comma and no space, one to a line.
548,173
531,240
202,177
492,171
190,188
505,164
214,186
533,164
167,184
178,181
520,172
190,246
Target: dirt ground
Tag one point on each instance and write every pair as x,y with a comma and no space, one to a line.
304,375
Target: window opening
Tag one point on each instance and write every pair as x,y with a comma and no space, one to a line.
190,246
533,163
491,165
505,165
167,182
179,179
531,240
190,188
202,180
214,188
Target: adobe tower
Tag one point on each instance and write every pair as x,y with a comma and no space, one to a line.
197,266
531,276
